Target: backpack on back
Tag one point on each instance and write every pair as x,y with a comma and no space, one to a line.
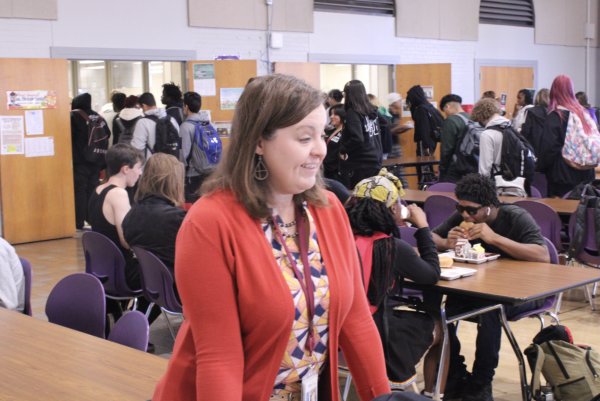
580,150
206,147
97,138
571,370
435,125
466,158
167,138
126,133
517,162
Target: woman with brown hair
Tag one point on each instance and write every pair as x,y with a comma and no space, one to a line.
255,328
155,218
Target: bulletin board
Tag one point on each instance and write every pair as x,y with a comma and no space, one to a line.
439,76
37,192
227,74
309,72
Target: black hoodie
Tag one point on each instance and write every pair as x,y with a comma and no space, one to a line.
533,127
361,141
423,113
79,129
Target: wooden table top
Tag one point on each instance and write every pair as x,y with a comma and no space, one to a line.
562,206
513,282
411,161
41,360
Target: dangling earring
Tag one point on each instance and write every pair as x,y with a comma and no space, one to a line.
260,170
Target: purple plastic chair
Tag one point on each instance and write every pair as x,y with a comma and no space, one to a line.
131,330
438,208
540,182
106,262
545,217
28,275
442,187
535,193
78,302
565,196
157,284
549,301
408,234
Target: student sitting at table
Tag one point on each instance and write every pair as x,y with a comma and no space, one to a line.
154,220
374,211
12,280
500,228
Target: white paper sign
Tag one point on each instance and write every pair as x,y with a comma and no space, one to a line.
34,122
35,147
205,87
11,134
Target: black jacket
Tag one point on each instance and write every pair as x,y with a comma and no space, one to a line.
361,141
331,162
533,127
175,110
79,129
424,114
386,133
561,177
153,224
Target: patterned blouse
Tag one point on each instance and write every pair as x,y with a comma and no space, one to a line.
296,360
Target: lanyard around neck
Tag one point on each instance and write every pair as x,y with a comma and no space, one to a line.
307,287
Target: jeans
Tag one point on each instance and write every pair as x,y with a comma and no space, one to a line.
86,178
489,335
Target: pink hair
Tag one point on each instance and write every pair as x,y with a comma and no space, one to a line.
562,94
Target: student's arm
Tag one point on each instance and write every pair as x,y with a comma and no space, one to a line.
116,130
527,252
446,234
486,153
423,127
450,136
140,134
186,140
119,201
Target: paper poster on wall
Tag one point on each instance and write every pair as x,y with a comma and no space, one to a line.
405,109
18,100
434,104
11,135
205,115
34,122
230,97
428,92
204,79
36,147
223,127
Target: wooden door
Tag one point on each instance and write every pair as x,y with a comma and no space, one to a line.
408,75
309,72
228,74
38,201
508,80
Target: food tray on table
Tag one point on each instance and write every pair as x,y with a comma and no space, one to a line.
488,257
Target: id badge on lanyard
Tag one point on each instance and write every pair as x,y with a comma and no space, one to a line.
310,380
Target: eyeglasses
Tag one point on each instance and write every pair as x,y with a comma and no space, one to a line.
471,210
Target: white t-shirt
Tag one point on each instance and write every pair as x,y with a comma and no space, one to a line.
12,280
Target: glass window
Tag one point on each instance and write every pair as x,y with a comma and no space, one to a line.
162,72
127,76
92,80
335,76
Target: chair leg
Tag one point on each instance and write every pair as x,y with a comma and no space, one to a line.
558,304
135,304
553,316
457,323
594,291
539,316
168,323
589,297
414,386
149,309
347,387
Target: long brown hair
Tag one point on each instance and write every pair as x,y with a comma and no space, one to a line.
163,175
268,103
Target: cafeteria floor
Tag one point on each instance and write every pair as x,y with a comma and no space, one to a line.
53,260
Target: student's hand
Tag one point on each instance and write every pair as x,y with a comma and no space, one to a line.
482,231
417,216
454,235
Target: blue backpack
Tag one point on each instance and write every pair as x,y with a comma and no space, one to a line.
206,145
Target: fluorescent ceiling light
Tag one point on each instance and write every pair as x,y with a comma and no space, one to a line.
90,62
137,62
100,67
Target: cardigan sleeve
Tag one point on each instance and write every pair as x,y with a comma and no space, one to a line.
207,286
359,338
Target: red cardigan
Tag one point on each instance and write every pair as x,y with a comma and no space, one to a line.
239,310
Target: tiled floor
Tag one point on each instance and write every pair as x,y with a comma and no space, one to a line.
53,260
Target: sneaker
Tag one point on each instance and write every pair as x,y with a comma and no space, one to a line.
479,391
457,386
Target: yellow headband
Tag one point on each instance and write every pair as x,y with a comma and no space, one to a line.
384,187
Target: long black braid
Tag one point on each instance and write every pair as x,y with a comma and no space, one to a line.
366,217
